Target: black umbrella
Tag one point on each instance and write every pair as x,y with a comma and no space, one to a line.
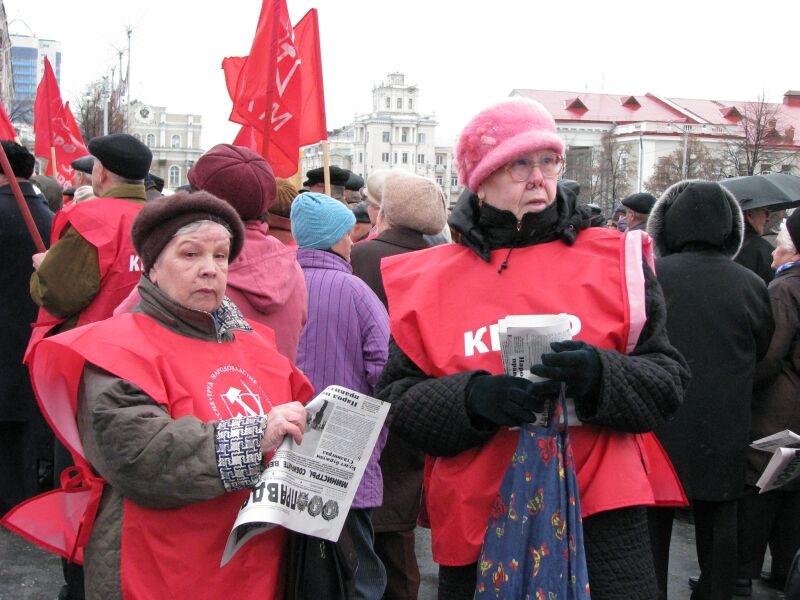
774,191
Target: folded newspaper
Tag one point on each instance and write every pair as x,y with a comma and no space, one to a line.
310,487
784,466
523,339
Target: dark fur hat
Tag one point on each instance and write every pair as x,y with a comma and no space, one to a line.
157,222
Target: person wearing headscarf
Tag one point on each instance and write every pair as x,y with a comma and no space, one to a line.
171,413
526,248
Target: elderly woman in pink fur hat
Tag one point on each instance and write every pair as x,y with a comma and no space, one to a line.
527,248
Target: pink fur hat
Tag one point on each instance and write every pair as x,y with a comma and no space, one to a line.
501,132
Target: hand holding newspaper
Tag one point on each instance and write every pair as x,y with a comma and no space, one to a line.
784,466
523,340
309,488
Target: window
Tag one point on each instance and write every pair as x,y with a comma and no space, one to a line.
174,176
395,158
786,169
388,102
399,103
385,136
404,135
410,104
439,181
151,140
440,159
405,158
454,181
176,141
420,138
360,158
385,157
420,159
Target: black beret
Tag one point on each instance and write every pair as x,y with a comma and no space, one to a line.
360,211
354,182
83,164
122,154
157,222
154,181
793,227
339,176
640,203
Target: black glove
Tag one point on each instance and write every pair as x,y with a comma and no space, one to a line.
506,400
574,362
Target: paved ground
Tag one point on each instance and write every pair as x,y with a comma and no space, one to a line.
28,573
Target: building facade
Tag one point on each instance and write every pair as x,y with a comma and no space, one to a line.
27,55
394,135
173,138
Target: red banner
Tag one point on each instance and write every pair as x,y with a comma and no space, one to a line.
313,127
7,131
51,124
268,88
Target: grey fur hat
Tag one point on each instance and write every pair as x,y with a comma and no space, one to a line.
701,214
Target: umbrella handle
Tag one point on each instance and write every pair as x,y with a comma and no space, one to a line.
23,206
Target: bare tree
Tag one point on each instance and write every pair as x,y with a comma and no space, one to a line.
611,168
700,164
90,108
758,148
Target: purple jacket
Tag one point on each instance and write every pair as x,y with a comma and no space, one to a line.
345,342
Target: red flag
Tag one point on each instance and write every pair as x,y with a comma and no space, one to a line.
7,131
52,129
313,127
267,94
249,137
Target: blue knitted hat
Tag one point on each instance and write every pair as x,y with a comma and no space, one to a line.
319,221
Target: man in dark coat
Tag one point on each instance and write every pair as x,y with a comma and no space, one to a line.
637,209
26,443
719,318
411,207
756,252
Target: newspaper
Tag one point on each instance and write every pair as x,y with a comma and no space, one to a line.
784,466
309,488
524,338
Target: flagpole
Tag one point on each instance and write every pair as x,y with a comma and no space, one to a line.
54,169
23,206
326,163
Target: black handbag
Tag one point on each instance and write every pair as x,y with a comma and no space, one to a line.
320,568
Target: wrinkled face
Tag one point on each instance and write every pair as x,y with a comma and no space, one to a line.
192,269
534,194
781,255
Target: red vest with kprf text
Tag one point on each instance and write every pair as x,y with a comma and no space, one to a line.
444,305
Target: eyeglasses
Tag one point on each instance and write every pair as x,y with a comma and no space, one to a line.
549,163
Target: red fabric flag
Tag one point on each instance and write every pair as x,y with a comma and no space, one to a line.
313,127
249,137
7,131
52,129
267,94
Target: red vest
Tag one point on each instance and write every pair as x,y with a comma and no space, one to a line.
189,377
444,304
105,223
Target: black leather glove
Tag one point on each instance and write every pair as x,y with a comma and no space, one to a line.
506,400
574,362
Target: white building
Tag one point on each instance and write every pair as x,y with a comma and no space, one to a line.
392,136
173,138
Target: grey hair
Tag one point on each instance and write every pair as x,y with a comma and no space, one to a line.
784,240
195,225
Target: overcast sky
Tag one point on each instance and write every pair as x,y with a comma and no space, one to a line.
463,56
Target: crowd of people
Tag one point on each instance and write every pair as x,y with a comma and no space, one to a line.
151,306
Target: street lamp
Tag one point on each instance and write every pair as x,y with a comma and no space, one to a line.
104,95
